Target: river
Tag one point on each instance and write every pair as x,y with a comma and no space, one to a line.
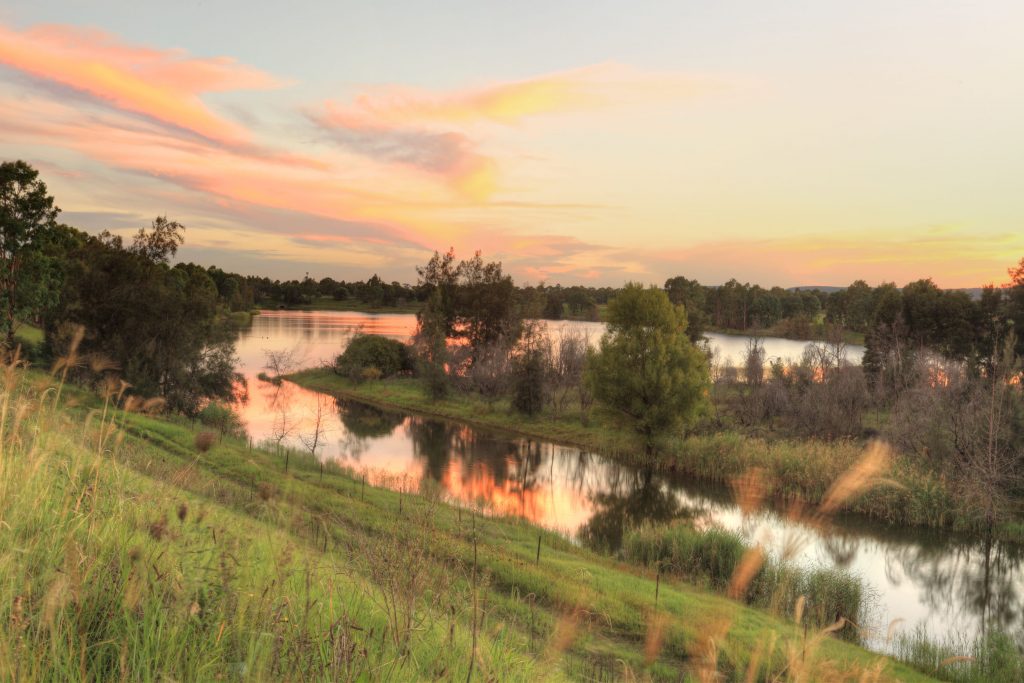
947,584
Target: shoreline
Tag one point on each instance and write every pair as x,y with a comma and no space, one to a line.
799,471
331,306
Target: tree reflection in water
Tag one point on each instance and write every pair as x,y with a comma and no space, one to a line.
962,582
633,497
950,582
957,585
363,423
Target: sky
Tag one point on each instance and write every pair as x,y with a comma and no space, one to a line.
591,142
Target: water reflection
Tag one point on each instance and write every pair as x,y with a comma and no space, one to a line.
949,584
632,498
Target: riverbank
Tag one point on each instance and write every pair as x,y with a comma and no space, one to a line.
136,549
796,471
782,331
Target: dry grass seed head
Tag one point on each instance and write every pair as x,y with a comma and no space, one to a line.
745,571
655,638
564,634
749,490
158,529
704,650
204,441
863,475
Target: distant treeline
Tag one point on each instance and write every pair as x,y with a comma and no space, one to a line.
949,321
166,327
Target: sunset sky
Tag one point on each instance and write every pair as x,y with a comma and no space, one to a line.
799,143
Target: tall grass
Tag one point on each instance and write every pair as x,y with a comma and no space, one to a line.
995,657
113,575
712,556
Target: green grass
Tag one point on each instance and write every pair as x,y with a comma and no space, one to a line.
29,335
127,554
796,470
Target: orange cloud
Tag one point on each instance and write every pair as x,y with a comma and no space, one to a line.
414,127
163,85
511,102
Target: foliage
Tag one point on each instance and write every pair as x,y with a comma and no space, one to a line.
29,276
968,424
222,418
158,325
471,301
713,555
693,298
647,369
369,352
431,347
993,657
529,379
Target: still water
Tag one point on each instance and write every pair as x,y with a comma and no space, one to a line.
949,585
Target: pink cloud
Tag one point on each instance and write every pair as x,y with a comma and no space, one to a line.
428,130
163,85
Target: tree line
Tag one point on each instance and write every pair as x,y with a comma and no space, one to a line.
114,311
941,373
945,391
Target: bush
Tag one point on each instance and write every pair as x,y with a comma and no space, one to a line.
222,418
370,356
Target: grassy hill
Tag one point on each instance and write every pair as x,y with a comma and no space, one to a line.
129,552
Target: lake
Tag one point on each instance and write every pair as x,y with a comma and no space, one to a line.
948,584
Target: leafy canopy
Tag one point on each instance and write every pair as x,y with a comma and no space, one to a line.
646,368
28,276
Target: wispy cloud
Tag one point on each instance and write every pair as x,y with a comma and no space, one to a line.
163,85
512,102
448,154
438,132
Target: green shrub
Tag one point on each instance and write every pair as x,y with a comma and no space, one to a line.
710,555
370,356
221,417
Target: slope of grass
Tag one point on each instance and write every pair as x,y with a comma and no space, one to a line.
128,554
796,469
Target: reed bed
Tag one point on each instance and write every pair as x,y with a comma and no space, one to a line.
994,657
712,557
